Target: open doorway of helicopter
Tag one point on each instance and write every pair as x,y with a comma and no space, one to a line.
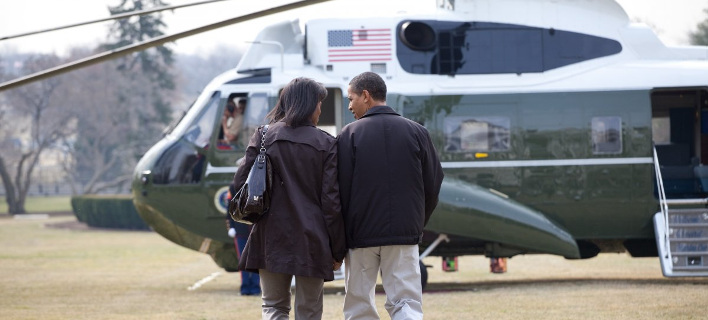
680,135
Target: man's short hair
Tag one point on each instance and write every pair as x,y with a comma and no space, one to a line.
371,82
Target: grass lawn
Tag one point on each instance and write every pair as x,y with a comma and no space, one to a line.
81,273
42,204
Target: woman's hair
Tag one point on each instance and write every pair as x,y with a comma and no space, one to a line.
371,82
298,102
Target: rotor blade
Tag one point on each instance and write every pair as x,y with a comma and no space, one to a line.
148,44
113,17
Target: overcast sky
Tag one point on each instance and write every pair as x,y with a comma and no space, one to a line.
672,20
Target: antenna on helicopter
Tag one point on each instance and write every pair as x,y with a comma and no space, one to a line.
113,17
108,55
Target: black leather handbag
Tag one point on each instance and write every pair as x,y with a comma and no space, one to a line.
253,199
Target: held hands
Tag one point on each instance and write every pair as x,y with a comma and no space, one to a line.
336,265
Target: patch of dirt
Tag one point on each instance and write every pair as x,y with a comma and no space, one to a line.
71,225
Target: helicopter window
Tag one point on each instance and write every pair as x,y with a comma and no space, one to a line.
330,106
482,134
231,125
493,48
179,164
257,108
199,132
261,76
606,135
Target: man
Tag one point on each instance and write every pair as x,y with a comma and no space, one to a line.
389,178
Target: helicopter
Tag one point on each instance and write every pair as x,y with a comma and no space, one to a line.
549,122
562,129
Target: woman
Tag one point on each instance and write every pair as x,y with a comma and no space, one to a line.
302,234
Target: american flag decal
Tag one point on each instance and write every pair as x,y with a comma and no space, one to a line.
359,45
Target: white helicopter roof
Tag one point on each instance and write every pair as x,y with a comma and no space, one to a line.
643,57
598,17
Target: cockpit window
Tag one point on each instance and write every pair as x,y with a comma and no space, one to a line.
199,132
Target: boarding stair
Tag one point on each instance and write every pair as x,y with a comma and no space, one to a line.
681,230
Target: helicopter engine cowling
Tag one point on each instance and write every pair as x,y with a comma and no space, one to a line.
470,211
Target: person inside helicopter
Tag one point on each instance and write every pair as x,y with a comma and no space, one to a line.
232,122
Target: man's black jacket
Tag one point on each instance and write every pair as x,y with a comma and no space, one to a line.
389,178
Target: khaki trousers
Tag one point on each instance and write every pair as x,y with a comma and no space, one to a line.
400,275
275,288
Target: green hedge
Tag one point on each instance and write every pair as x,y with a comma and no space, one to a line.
107,211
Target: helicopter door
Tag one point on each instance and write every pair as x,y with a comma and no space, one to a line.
254,116
241,114
681,140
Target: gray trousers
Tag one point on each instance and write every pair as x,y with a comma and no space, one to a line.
400,275
275,289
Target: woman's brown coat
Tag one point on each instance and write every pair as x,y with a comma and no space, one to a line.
303,233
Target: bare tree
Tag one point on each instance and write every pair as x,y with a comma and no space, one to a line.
39,121
700,36
116,122
95,156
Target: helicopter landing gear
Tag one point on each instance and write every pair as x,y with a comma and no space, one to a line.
423,268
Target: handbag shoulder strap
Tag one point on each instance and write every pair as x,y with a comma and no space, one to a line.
261,157
263,136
